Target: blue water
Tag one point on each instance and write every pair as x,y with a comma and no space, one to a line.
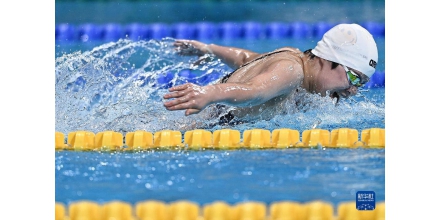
302,175
116,86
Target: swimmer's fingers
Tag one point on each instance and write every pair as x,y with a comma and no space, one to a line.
181,95
176,104
186,97
174,95
180,87
180,104
181,43
189,47
184,47
191,112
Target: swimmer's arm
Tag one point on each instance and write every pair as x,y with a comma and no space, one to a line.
278,79
233,57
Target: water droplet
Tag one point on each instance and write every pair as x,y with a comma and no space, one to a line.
235,196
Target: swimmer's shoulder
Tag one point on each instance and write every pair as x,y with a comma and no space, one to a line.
294,54
290,49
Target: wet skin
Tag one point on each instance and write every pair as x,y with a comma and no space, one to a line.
259,85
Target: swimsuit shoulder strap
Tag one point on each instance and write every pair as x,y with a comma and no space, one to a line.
224,79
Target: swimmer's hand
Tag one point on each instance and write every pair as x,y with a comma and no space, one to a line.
191,48
188,96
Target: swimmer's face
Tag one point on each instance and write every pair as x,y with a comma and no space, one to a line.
336,82
354,80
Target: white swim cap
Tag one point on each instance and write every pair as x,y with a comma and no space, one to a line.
350,45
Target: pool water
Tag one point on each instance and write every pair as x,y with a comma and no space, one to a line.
118,86
302,175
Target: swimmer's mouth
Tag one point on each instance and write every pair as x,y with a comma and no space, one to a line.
335,95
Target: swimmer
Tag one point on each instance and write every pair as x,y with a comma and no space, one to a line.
342,61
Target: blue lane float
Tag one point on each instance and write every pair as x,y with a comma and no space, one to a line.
253,30
65,32
300,30
112,32
159,31
90,32
277,30
136,31
376,29
230,30
187,76
183,30
206,30
165,80
249,30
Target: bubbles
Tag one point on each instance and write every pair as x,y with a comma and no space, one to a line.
119,86
148,186
116,86
246,173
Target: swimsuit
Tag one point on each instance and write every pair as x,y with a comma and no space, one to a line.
225,78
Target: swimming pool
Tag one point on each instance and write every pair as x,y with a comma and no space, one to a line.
118,86
302,175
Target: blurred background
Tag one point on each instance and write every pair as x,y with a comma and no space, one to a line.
171,11
258,25
110,20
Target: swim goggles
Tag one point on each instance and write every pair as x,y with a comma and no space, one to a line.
353,78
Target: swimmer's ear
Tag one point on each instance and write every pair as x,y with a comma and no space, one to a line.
191,111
